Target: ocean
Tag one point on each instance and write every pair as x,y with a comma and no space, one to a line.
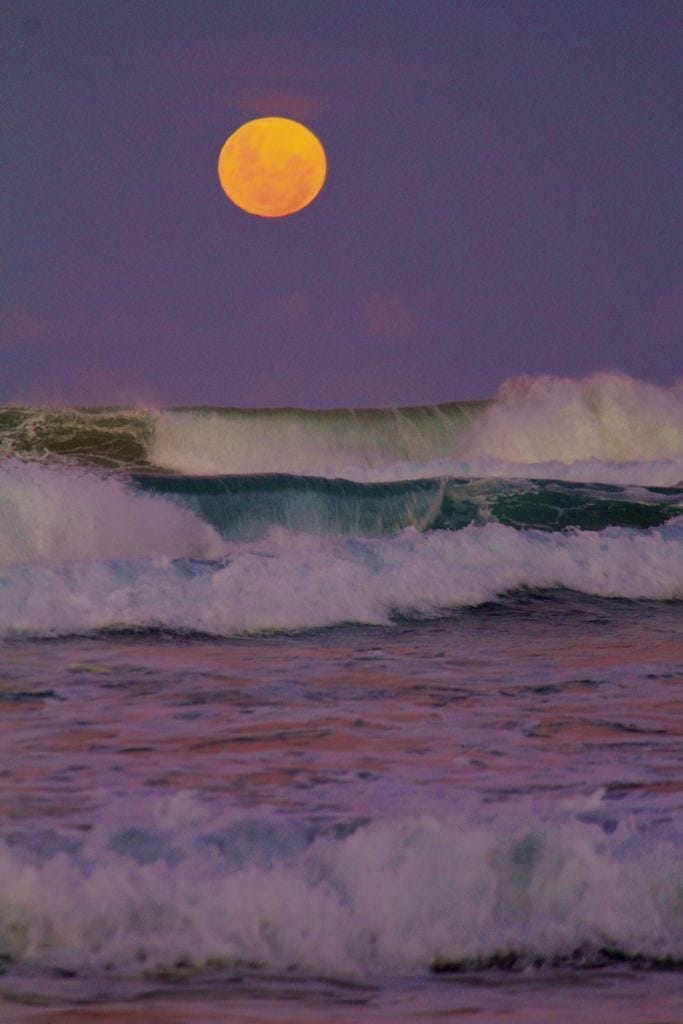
344,715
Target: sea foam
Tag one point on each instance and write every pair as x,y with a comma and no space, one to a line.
607,416
63,513
294,581
195,885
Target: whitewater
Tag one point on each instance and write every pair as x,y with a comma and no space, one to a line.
356,714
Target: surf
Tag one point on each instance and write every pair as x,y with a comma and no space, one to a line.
290,582
199,886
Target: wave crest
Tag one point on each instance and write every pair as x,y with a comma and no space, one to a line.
605,416
291,582
63,513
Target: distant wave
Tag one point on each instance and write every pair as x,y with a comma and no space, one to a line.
607,427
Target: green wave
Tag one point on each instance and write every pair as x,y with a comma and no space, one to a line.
245,507
250,440
107,438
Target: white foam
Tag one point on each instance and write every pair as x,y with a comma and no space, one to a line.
607,416
645,473
396,895
59,513
606,428
290,581
201,442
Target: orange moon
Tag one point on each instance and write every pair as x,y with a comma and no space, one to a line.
272,167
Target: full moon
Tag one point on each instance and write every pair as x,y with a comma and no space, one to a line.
272,167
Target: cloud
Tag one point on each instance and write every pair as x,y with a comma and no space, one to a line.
278,103
88,386
89,356
387,316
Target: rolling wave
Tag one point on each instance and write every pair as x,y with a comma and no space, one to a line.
293,581
65,513
248,506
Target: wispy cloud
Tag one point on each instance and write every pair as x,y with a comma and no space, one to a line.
275,102
387,316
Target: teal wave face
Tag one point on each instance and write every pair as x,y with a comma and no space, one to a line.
246,507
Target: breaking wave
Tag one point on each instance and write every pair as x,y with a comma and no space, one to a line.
176,884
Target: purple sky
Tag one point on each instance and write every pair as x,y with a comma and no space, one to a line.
503,197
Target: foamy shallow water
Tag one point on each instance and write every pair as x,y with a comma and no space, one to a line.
200,827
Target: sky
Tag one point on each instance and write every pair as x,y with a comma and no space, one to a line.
503,197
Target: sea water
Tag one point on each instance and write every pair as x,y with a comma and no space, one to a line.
344,716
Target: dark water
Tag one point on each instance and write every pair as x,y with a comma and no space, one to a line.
207,825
